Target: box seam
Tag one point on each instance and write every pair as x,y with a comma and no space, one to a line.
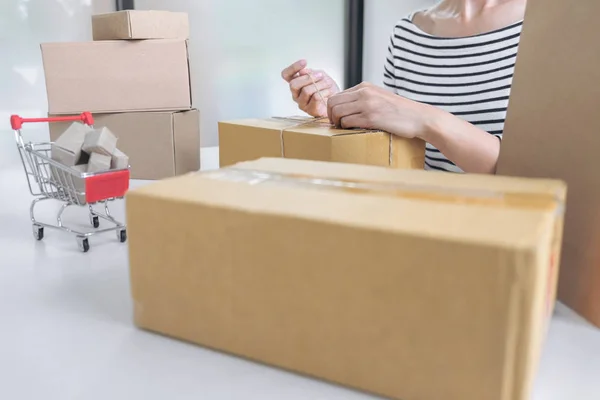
515,335
130,25
187,54
174,138
45,69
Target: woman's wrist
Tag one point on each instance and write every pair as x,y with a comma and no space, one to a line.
433,126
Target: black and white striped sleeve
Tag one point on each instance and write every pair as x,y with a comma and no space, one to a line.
388,67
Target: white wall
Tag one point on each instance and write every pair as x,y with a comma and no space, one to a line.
24,24
239,47
380,18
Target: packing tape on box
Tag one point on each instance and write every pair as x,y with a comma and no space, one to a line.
299,122
486,197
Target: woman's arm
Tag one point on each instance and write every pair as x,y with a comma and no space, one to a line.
371,107
472,149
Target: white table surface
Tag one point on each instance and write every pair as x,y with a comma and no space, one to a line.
66,328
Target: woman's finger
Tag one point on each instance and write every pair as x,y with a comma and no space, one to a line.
341,111
299,83
359,87
341,98
290,72
354,121
316,104
312,90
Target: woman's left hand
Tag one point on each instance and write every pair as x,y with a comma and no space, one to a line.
370,107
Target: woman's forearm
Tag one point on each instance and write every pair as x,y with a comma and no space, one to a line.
470,148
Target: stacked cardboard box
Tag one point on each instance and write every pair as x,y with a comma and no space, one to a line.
380,279
135,78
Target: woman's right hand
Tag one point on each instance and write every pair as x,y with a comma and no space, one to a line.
304,91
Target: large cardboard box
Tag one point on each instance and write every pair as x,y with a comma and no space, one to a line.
307,139
552,131
117,76
159,144
353,274
140,24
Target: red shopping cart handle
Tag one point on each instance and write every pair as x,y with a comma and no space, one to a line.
17,122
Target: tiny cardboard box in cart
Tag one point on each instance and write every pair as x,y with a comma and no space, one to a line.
307,139
364,276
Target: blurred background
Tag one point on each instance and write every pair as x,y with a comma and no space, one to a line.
237,50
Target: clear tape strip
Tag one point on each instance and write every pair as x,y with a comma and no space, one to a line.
395,189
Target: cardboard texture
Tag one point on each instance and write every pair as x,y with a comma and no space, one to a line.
117,76
101,141
119,160
63,156
552,131
138,24
327,281
477,189
159,144
255,138
98,162
66,148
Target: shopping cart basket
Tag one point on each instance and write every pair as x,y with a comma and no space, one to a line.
49,179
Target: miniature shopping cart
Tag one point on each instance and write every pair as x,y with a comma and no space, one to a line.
49,179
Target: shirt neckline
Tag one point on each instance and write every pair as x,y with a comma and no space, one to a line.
423,33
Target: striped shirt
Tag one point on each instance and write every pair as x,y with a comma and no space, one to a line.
470,77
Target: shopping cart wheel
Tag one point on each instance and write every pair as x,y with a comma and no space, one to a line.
84,244
38,232
95,221
122,235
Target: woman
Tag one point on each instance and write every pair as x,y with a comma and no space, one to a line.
448,76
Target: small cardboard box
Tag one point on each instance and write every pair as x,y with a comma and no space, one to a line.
552,131
140,24
66,148
159,144
353,274
119,160
101,141
250,139
117,76
99,162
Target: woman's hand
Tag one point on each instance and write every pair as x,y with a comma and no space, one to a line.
370,107
304,91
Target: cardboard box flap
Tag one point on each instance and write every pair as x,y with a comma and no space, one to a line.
324,128
307,125
551,187
348,176
369,210
417,191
